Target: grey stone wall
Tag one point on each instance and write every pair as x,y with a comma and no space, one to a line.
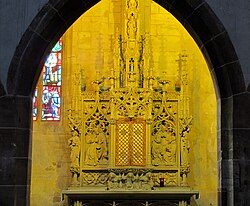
15,18
235,16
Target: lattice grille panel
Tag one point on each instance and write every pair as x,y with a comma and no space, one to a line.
122,146
138,144
130,143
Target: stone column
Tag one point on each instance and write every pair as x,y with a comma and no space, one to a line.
241,148
225,150
234,145
15,150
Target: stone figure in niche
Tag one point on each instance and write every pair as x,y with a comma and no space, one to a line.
185,165
170,148
102,152
156,150
132,26
75,146
97,151
164,147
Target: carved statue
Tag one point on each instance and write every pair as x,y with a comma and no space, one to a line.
156,151
170,149
132,26
132,18
163,147
74,144
97,150
91,156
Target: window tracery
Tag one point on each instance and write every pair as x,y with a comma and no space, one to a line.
50,107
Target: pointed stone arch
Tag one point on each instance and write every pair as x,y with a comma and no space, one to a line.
56,16
196,16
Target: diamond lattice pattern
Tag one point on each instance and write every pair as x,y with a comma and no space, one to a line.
130,143
122,154
137,144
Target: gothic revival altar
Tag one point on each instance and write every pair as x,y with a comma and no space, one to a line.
130,135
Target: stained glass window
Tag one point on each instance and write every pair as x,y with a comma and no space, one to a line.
52,67
51,86
51,103
35,105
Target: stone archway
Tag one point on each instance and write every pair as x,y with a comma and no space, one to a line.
55,17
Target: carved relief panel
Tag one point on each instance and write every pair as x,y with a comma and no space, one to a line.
96,134
164,133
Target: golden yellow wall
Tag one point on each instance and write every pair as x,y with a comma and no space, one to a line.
50,168
171,38
88,45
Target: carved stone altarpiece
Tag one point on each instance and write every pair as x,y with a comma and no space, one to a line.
134,134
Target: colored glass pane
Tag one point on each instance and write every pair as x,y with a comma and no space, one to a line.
52,66
58,46
35,105
51,86
51,97
51,103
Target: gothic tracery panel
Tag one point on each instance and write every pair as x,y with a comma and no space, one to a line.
164,134
96,139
